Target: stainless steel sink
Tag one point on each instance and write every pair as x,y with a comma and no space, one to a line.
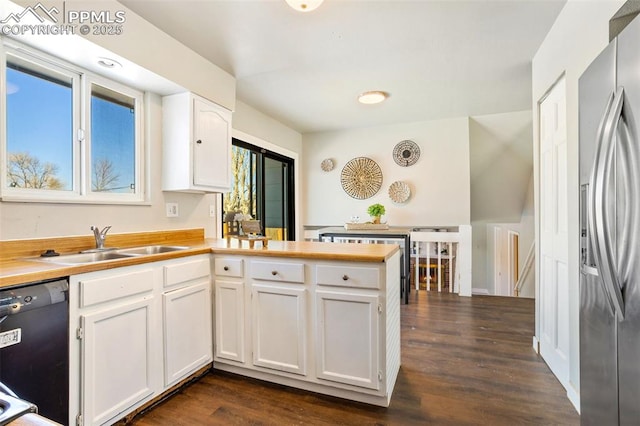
72,259
12,408
91,256
141,251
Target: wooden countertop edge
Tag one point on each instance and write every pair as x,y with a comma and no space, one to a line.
32,419
21,271
304,255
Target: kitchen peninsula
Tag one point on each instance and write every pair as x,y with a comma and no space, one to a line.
317,316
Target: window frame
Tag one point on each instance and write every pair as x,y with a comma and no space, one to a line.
82,80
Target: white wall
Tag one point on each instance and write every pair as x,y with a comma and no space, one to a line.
580,32
439,181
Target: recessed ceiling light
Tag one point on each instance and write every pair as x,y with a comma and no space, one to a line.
304,5
109,63
372,97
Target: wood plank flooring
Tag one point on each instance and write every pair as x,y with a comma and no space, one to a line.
465,361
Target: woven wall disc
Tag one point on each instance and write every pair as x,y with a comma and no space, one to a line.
361,178
406,153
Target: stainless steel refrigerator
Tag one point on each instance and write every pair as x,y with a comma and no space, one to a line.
609,93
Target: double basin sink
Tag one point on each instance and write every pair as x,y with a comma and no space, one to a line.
92,256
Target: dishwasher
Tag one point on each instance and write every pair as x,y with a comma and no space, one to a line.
34,345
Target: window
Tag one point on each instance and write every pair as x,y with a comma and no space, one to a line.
69,136
39,128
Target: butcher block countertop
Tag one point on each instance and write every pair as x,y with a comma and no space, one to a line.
19,264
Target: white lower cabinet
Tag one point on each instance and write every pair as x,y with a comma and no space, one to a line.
229,320
229,308
187,323
279,320
331,327
117,359
128,326
347,330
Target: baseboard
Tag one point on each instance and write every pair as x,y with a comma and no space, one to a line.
536,344
480,291
574,396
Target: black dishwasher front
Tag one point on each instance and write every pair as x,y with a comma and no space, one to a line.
34,345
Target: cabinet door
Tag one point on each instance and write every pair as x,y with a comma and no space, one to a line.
116,359
187,331
229,310
279,328
347,338
211,145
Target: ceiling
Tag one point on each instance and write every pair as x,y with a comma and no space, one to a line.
436,59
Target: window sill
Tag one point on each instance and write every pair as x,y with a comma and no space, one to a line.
25,199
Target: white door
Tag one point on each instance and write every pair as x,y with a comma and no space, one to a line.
116,361
212,144
229,312
347,333
187,330
554,293
279,328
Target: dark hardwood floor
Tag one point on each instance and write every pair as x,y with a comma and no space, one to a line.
464,361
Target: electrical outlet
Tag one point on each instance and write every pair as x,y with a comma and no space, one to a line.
212,210
172,209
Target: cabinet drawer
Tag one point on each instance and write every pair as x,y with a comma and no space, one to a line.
227,267
186,271
98,290
348,276
281,272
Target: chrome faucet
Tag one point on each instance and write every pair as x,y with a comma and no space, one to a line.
100,236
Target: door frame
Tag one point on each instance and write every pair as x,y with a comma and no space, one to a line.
261,143
513,256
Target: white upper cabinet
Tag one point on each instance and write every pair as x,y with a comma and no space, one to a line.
196,135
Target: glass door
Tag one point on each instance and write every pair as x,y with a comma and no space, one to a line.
261,187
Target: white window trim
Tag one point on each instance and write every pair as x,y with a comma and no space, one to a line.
81,192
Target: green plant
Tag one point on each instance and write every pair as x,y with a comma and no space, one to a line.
376,210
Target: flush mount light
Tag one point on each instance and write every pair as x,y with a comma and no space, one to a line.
109,63
304,5
373,97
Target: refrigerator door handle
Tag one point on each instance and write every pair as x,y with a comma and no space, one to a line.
599,216
628,179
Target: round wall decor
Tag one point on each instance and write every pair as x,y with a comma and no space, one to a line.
399,192
406,153
327,165
361,178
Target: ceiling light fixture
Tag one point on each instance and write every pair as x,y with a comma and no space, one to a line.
372,97
304,5
109,63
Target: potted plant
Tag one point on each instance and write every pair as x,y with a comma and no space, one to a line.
375,211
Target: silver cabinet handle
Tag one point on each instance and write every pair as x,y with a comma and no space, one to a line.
598,212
